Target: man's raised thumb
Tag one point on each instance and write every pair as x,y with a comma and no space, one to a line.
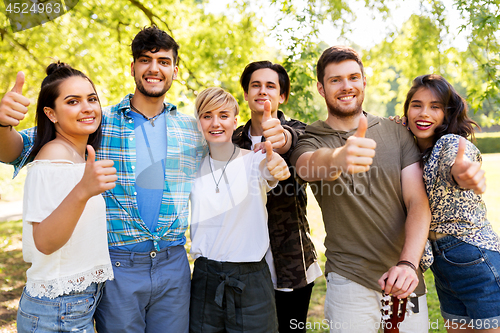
18,86
269,150
362,126
267,111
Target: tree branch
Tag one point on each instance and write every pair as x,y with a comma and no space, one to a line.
5,33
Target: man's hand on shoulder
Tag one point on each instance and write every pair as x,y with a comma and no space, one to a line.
399,120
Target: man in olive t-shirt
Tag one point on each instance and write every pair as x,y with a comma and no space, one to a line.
364,172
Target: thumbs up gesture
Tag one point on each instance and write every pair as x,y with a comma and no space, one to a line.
99,176
276,164
272,129
357,154
466,173
14,106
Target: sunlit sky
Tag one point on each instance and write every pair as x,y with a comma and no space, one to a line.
367,30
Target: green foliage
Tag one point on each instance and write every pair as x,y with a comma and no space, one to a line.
304,103
12,273
488,142
11,189
95,37
483,21
421,46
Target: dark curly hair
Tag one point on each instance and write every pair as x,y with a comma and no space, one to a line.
57,73
456,120
153,39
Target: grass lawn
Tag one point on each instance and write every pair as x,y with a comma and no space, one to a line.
12,273
13,268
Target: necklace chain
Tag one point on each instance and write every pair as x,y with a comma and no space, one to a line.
223,170
152,119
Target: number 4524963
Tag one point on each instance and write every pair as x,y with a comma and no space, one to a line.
35,8
477,324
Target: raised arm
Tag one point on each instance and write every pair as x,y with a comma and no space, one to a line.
55,231
468,174
327,164
13,108
275,164
402,279
279,137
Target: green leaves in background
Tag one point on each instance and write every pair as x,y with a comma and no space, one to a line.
95,36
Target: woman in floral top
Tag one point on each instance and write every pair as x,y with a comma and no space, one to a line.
466,249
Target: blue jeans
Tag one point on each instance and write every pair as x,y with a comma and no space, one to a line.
150,293
467,282
67,313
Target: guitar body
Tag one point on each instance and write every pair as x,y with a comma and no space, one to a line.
393,313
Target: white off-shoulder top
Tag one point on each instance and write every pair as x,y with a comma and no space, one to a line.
84,259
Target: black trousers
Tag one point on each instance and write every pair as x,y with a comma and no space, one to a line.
232,297
292,308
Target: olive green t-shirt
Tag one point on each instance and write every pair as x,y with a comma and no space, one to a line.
364,214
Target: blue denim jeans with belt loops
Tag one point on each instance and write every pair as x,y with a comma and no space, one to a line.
467,282
71,312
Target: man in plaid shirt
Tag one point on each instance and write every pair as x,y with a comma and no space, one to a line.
156,151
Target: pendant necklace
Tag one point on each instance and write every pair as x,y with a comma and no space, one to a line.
223,170
152,119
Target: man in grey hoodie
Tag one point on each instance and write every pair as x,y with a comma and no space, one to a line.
364,172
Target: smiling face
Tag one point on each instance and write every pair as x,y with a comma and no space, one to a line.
154,72
343,88
425,113
218,125
264,86
77,110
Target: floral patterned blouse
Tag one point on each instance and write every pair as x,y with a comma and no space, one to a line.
455,211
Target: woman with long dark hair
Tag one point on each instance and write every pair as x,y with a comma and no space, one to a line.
64,214
466,250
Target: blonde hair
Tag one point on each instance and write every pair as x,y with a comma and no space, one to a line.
214,98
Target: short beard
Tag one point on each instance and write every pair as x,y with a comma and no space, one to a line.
140,87
339,113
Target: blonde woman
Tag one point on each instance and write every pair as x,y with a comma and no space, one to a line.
231,286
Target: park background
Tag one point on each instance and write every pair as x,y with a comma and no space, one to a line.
398,40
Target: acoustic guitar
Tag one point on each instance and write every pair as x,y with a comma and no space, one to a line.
393,312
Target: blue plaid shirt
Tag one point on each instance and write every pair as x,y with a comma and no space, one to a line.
184,153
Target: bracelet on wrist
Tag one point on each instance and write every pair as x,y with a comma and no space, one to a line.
286,138
407,263
6,126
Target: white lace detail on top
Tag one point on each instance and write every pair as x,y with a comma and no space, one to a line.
77,282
